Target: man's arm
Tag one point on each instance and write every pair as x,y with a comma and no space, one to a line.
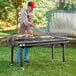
24,20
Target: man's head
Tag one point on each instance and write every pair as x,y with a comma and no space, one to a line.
31,6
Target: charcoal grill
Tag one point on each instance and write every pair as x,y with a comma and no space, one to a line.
33,41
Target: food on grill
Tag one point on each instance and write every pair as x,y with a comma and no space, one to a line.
36,34
31,40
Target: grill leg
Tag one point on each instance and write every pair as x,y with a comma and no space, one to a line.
12,55
52,53
21,64
63,53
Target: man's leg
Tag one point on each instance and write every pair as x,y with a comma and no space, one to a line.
18,55
26,56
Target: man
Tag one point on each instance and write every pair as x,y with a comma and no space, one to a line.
25,27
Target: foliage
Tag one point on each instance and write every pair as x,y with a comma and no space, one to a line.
5,7
16,3
43,8
69,6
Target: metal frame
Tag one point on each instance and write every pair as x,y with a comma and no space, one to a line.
62,43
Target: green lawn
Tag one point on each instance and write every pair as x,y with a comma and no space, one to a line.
41,64
6,33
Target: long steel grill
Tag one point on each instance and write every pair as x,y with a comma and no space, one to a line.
17,40
36,40
39,40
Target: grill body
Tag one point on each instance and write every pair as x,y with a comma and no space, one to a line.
33,41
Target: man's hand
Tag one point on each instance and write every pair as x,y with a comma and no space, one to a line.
37,28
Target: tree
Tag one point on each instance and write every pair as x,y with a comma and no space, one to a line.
61,3
5,7
18,6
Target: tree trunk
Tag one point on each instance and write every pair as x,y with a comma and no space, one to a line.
17,20
61,3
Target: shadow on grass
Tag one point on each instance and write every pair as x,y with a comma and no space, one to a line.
4,64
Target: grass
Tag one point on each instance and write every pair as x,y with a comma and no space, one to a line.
6,33
41,64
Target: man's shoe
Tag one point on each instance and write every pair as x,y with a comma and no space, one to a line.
18,62
27,61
